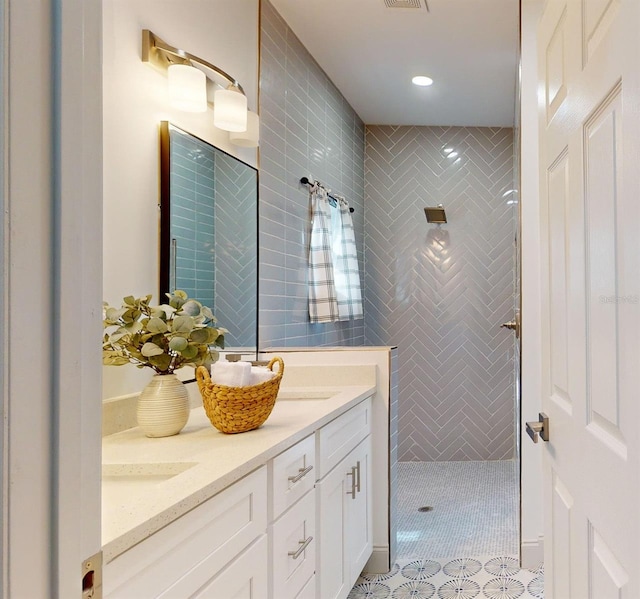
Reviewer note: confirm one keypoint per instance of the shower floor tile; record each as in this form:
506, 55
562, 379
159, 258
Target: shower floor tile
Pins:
475, 509
482, 577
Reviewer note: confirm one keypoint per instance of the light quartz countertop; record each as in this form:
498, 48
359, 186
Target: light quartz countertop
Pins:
148, 483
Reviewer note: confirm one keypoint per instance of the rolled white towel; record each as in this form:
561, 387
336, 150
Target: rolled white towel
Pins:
231, 374
260, 374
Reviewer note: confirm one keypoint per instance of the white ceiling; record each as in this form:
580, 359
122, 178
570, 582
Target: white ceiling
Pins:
371, 52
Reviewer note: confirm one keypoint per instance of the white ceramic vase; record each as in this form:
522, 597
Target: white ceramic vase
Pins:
163, 406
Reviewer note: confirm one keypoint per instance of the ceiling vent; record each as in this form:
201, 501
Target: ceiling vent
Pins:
419, 4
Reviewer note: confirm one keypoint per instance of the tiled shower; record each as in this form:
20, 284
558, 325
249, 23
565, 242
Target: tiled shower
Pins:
439, 293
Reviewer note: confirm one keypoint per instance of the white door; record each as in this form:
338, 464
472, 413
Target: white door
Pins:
589, 112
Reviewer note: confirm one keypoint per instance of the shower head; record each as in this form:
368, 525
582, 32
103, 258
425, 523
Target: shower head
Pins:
436, 214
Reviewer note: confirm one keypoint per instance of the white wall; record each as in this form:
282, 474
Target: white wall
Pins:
223, 32
532, 503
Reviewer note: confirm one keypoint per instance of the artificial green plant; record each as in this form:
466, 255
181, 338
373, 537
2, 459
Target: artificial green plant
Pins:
164, 337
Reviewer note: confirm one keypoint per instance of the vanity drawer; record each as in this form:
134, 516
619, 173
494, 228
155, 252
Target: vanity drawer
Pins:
187, 552
291, 475
293, 548
340, 436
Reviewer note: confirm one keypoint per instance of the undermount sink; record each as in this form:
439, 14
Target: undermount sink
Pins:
311, 395
137, 474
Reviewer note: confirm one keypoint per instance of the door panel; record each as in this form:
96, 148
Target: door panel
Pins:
598, 16
589, 156
602, 150
607, 577
562, 502
558, 180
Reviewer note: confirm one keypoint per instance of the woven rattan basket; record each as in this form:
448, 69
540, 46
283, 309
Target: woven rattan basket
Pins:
239, 409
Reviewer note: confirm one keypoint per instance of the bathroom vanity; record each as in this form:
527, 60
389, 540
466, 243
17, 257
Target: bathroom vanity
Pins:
281, 512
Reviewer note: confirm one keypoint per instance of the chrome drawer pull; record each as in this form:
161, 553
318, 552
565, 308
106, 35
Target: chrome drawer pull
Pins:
358, 476
303, 545
302, 472
353, 475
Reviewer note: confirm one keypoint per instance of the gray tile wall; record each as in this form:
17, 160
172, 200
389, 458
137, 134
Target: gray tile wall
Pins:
213, 220
192, 211
235, 250
440, 294
306, 128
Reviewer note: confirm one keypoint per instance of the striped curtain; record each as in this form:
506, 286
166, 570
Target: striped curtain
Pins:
345, 263
323, 302
334, 276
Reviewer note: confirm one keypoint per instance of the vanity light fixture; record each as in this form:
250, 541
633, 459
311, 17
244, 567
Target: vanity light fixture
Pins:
230, 103
187, 88
230, 109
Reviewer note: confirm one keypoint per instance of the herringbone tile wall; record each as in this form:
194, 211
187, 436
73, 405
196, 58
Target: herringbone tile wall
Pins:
306, 127
440, 293
235, 250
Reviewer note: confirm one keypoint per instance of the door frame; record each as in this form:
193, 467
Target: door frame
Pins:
531, 496
53, 264
4, 53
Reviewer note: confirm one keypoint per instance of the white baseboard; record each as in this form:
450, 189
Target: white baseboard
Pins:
379, 561
532, 553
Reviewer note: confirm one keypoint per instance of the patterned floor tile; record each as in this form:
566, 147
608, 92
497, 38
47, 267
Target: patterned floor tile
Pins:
466, 547
481, 577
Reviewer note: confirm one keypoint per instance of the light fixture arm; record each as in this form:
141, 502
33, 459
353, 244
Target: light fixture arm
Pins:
160, 54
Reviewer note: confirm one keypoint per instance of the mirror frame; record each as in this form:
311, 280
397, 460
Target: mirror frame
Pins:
164, 218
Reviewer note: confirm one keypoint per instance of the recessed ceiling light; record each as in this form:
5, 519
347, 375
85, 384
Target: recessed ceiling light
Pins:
422, 81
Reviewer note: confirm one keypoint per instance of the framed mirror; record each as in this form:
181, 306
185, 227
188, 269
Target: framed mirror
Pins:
209, 232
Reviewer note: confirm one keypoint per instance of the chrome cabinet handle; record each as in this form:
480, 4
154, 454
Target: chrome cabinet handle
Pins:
353, 475
303, 545
358, 476
539, 428
302, 472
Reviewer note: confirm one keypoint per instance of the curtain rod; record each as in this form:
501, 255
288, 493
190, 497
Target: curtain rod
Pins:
305, 181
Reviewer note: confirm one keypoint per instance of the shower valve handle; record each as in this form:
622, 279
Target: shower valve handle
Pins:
513, 325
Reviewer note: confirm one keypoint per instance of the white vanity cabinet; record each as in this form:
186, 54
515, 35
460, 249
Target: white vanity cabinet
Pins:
218, 549
343, 503
298, 527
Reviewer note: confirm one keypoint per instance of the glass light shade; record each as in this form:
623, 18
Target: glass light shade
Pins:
230, 110
187, 88
250, 137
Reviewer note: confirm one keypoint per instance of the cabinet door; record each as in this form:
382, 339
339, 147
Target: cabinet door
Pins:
331, 550
359, 531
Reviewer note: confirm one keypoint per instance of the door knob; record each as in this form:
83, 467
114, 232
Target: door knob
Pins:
539, 428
